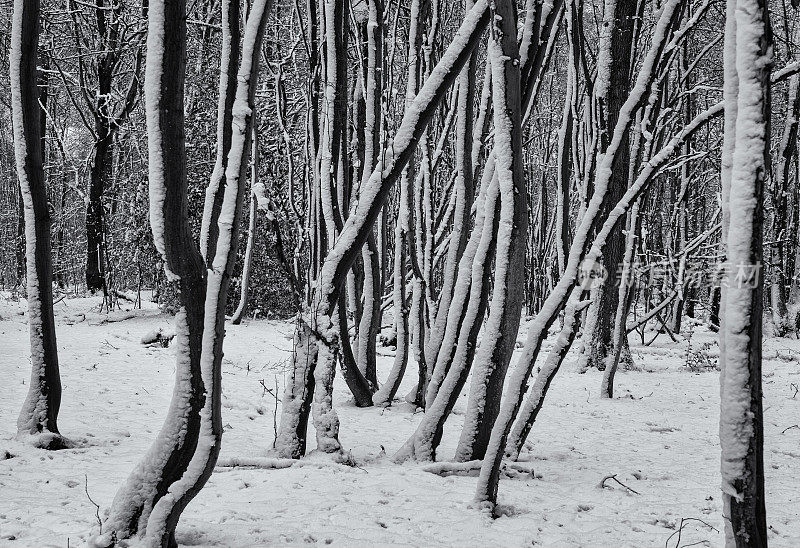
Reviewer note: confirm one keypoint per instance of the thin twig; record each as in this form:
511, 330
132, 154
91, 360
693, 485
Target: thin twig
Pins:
96, 506
680, 531
614, 477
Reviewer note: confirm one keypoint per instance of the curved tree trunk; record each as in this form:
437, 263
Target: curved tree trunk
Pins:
168, 509
39, 414
170, 454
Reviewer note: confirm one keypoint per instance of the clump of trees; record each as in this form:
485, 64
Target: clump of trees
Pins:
413, 173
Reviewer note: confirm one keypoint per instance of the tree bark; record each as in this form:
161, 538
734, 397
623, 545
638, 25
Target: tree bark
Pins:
748, 56
39, 415
500, 334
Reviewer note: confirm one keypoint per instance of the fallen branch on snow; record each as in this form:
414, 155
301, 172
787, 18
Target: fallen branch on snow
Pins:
265, 463
602, 484
472, 468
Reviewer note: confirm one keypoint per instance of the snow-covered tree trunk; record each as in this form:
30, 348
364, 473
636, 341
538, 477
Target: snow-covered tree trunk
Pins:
748, 58
183, 456
488, 480
369, 326
335, 196
500, 333
459, 343
611, 89
404, 240
170, 454
470, 296
535, 401
229, 62
39, 415
780, 191
247, 267
166, 512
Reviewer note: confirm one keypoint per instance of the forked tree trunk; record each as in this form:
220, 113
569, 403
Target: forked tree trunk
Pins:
470, 298
170, 454
39, 414
181, 459
168, 509
486, 491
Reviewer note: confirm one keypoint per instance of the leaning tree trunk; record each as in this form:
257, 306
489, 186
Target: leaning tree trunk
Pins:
749, 56
486, 491
470, 297
171, 452
39, 414
500, 333
167, 511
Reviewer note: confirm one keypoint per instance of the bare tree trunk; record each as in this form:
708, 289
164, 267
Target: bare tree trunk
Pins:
500, 334
786, 154
170, 454
747, 59
236, 319
369, 326
614, 69
470, 298
167, 511
464, 188
486, 491
39, 414
229, 62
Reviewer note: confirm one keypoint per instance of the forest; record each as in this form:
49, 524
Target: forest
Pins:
400, 272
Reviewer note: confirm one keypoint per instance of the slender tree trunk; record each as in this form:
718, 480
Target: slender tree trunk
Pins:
168, 509
39, 414
464, 188
236, 319
229, 62
486, 492
375, 192
741, 416
502, 326
369, 326
786, 154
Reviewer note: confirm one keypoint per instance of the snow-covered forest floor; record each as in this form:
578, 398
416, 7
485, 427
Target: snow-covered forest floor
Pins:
659, 436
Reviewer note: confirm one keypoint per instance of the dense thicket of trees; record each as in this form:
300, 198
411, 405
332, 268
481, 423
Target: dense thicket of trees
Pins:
414, 173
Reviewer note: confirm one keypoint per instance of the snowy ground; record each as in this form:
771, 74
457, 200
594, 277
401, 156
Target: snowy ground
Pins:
659, 436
